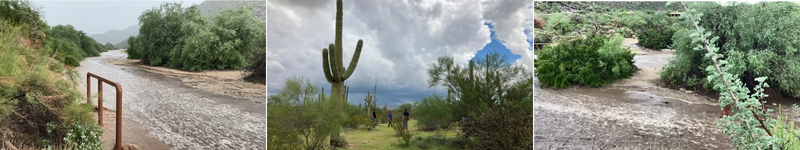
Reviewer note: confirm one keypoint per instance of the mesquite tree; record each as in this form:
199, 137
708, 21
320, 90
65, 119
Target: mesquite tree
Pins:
332, 65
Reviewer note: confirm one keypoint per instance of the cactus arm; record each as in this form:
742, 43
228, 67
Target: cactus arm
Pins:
354, 60
338, 50
326, 66
334, 72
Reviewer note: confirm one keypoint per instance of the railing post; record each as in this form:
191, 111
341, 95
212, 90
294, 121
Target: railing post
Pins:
89, 89
119, 116
100, 81
100, 103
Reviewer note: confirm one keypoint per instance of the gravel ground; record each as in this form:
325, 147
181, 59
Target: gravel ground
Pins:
182, 116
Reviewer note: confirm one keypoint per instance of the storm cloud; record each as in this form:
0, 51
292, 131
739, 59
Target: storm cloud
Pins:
401, 40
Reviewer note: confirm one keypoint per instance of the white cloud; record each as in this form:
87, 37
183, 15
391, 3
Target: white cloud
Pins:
401, 39
510, 20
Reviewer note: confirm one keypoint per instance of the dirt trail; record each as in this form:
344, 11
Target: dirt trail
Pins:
633, 113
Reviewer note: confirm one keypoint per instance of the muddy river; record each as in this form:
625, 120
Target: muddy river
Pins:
178, 115
631, 113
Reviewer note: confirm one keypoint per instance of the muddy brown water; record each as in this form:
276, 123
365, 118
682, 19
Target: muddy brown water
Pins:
178, 115
630, 114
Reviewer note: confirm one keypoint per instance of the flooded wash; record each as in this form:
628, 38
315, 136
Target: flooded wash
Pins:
632, 113
181, 116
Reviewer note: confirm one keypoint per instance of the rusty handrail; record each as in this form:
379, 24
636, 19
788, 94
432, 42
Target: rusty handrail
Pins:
100, 108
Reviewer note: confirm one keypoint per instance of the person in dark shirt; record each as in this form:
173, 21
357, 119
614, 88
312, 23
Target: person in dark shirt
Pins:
390, 119
405, 118
373, 119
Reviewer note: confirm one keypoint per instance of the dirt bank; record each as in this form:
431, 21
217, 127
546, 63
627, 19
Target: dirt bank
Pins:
221, 82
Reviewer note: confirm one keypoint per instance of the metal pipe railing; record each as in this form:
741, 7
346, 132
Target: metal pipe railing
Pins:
100, 80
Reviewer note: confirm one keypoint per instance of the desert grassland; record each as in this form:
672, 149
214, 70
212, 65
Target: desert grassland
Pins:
383, 137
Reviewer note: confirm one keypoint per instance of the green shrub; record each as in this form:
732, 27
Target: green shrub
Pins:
505, 127
85, 136
422, 145
784, 129
432, 112
38, 101
182, 38
405, 138
356, 121
656, 39
684, 65
560, 23
594, 61
281, 134
397, 126
754, 39
299, 109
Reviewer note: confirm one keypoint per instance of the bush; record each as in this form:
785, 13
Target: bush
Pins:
405, 138
742, 30
683, 65
503, 127
38, 100
432, 112
784, 128
300, 109
356, 121
85, 136
182, 38
594, 61
656, 39
560, 23
397, 126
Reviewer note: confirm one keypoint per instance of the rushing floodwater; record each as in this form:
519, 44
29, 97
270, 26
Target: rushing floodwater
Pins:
184, 117
626, 117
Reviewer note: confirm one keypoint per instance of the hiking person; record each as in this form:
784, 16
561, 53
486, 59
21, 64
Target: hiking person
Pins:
405, 118
390, 119
373, 119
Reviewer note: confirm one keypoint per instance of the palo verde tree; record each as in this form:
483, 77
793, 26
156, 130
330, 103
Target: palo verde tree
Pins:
333, 67
485, 89
300, 115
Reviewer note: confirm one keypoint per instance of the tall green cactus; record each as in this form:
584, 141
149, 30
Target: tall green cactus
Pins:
333, 67
332, 64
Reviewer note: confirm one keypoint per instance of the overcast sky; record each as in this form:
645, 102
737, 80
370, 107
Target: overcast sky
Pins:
402, 38
96, 17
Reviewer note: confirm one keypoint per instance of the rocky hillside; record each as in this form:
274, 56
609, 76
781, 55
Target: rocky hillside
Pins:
114, 36
599, 6
209, 8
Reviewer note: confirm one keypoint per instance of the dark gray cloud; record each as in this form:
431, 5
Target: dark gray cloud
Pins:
401, 40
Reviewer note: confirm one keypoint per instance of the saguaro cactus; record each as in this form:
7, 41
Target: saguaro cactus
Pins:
333, 67
371, 101
332, 64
